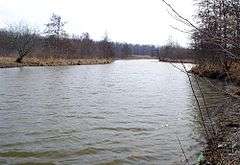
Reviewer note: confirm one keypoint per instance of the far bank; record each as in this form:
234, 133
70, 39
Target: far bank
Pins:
10, 62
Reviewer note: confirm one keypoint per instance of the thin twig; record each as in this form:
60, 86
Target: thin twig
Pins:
198, 103
186, 21
184, 154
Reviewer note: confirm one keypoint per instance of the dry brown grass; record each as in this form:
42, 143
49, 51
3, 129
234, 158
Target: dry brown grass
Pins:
217, 72
6, 62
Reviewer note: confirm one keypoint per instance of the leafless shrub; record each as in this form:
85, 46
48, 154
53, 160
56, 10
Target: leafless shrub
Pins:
22, 39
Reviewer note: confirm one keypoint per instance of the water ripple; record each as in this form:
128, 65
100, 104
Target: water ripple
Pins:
121, 129
93, 114
50, 154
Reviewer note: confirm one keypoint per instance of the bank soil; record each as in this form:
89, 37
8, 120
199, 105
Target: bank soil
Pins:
223, 118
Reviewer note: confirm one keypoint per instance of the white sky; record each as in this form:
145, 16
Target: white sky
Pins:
132, 21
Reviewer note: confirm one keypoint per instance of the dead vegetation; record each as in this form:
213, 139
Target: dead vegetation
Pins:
215, 71
8, 62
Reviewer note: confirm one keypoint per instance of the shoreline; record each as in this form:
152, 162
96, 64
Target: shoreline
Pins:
222, 121
189, 61
224, 117
140, 57
216, 72
9, 62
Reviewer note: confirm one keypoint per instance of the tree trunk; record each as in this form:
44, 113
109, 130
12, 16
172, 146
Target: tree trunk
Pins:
19, 59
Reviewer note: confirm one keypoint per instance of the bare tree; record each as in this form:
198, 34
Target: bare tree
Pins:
87, 45
126, 51
106, 47
56, 36
217, 19
5, 46
55, 27
22, 39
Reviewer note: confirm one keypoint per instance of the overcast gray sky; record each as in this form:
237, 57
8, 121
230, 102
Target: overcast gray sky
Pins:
133, 21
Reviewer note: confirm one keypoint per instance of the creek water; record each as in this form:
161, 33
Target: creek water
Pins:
127, 112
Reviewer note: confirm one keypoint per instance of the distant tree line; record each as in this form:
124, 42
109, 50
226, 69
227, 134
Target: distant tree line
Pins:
21, 40
124, 50
172, 51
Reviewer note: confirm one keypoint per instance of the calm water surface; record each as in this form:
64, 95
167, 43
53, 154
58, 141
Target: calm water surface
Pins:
127, 112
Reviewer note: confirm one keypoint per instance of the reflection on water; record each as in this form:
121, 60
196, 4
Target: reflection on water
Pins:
128, 112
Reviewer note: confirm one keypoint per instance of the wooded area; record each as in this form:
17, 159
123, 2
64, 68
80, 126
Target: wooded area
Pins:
173, 52
21, 40
217, 35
